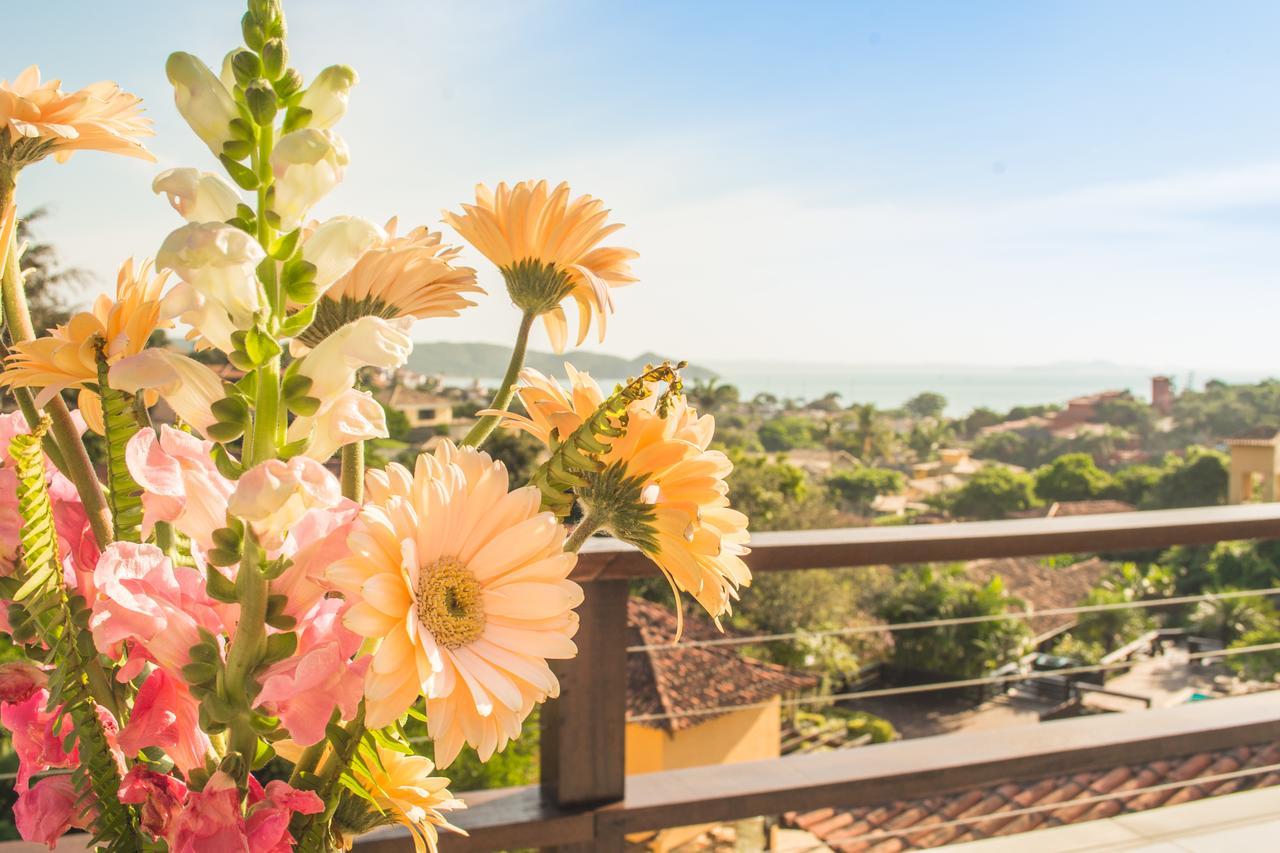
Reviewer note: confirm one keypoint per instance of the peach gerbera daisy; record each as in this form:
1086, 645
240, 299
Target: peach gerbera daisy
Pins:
409, 276
547, 247
464, 588
67, 356
38, 119
661, 488
403, 788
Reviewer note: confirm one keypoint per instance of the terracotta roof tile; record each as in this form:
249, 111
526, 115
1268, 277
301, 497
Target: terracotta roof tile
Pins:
860, 831
677, 679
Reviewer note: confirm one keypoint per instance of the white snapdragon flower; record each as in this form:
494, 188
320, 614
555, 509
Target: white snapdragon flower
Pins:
354, 416
327, 95
336, 245
189, 387
219, 262
366, 342
202, 99
307, 164
198, 196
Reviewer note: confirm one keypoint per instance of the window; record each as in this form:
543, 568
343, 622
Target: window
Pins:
426, 414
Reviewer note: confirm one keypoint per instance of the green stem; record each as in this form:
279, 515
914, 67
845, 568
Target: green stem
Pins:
582, 532
248, 646
353, 471
264, 441
507, 391
307, 761
27, 405
71, 450
80, 471
312, 833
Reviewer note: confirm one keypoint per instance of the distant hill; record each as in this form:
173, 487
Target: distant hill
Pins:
489, 361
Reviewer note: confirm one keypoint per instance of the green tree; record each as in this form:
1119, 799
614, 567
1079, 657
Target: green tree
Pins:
1259, 666
993, 492
854, 490
929, 404
1133, 415
777, 496
978, 419
1199, 478
1133, 483
519, 451
1229, 619
961, 651
786, 432
1072, 477
1111, 629
711, 395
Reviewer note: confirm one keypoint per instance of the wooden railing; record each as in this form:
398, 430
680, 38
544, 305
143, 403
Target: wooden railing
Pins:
586, 802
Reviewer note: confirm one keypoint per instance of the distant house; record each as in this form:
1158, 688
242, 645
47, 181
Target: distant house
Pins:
1255, 467
951, 470
673, 680
421, 408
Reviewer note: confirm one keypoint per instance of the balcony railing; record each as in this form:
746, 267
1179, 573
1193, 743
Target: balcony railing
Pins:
586, 802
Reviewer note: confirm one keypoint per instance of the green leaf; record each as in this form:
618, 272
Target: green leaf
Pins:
242, 175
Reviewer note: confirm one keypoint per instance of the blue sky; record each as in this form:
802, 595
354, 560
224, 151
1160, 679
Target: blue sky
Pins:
998, 183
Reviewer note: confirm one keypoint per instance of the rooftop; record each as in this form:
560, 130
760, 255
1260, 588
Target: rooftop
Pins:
671, 681
914, 824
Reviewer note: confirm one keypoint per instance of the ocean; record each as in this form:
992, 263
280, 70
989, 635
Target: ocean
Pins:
965, 387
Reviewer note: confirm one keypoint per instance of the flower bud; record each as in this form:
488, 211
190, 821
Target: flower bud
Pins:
197, 196
275, 56
261, 99
19, 680
307, 164
245, 66
253, 32
202, 100
326, 97
336, 245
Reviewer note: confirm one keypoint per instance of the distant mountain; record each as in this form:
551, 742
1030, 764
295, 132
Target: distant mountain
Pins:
489, 361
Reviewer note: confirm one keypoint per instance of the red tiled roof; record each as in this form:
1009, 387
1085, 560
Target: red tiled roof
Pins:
844, 830
670, 681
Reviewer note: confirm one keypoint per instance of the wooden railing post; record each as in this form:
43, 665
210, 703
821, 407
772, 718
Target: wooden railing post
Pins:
583, 731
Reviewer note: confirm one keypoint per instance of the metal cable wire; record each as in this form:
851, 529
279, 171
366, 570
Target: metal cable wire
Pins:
1029, 613
938, 685
880, 835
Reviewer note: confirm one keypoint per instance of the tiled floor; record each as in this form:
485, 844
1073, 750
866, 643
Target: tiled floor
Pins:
1235, 823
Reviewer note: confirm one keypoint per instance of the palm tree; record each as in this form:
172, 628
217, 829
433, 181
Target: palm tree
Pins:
711, 395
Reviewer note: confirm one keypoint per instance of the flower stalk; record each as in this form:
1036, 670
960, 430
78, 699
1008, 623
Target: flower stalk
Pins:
507, 390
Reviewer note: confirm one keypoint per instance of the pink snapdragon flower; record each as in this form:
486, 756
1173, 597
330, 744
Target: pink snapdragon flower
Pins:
37, 742
212, 819
304, 689
48, 811
154, 608
273, 496
268, 825
19, 680
317, 541
165, 714
180, 483
160, 795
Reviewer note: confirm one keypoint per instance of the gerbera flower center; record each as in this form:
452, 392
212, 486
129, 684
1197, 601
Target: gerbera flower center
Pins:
450, 603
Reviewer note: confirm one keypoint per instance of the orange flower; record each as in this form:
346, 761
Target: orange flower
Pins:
38, 119
671, 489
67, 356
409, 276
464, 588
403, 788
547, 248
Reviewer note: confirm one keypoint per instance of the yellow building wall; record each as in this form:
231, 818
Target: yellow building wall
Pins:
747, 735
444, 415
1253, 474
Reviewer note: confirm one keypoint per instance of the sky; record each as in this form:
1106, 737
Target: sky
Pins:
999, 183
